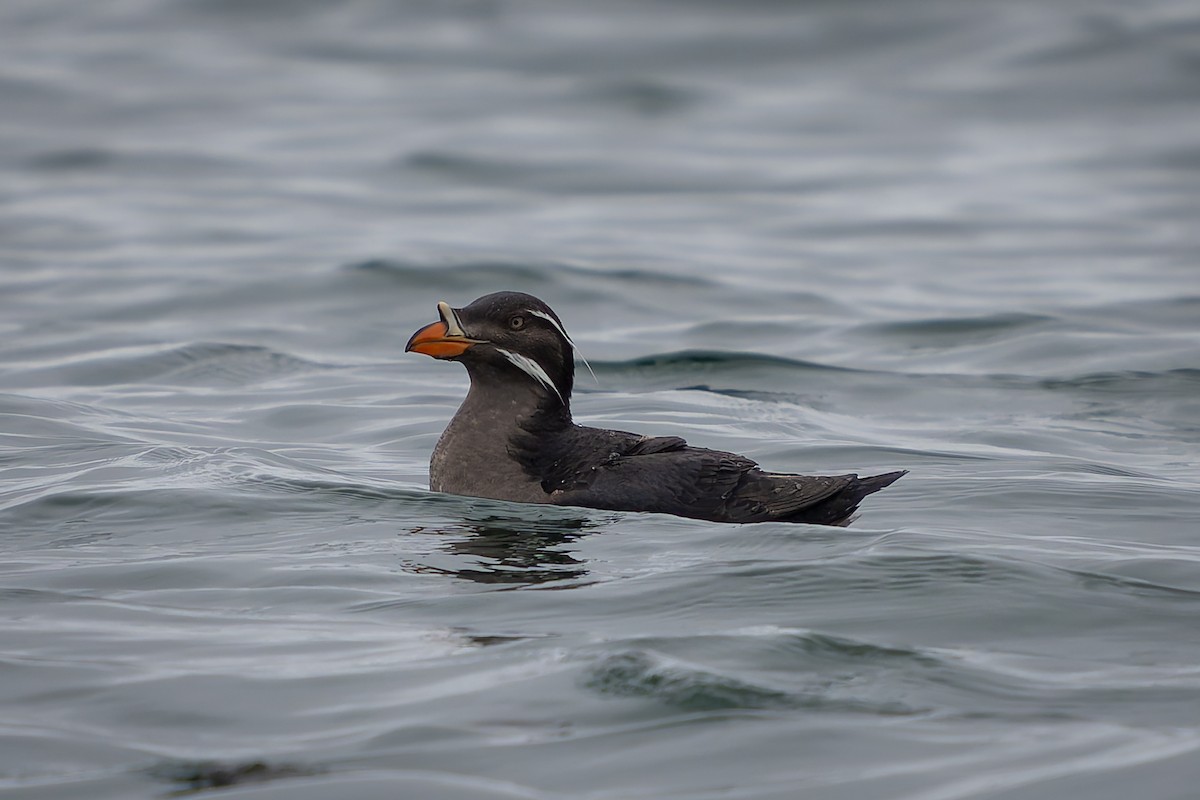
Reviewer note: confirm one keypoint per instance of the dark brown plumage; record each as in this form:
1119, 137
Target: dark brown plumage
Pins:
513, 437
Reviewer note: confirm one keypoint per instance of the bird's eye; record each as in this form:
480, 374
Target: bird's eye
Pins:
516, 323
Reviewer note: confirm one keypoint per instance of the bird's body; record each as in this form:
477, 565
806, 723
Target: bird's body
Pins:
513, 437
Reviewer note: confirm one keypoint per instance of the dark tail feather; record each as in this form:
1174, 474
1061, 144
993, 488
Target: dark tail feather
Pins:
874, 483
839, 509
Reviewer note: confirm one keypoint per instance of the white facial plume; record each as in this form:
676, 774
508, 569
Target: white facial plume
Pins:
531, 368
570, 341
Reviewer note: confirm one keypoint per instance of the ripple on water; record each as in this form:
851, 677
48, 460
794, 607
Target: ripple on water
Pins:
535, 277
196, 364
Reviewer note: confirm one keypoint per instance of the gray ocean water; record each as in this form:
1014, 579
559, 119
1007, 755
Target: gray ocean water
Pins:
961, 239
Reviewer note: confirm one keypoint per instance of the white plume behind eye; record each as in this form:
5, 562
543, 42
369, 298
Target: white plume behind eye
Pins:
531, 368
570, 341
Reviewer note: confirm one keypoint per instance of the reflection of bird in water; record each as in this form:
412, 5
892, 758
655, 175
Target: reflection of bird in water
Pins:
513, 438
520, 552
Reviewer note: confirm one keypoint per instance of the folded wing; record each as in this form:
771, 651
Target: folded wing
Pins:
625, 472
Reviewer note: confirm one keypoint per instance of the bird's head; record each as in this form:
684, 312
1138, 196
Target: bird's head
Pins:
504, 336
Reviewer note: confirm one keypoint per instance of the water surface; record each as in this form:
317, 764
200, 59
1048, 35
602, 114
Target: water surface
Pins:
952, 238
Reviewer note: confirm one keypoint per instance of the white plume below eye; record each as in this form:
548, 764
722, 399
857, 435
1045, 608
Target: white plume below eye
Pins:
570, 341
531, 368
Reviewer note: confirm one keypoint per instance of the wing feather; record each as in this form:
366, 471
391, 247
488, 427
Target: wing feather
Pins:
622, 471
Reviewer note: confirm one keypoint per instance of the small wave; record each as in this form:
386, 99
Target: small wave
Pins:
1126, 379
146, 162
715, 360
1134, 587
535, 277
575, 176
840, 647
643, 97
956, 328
913, 574
198, 776
79, 516
739, 368
80, 158
793, 648
460, 274
639, 673
199, 363
223, 481
746, 376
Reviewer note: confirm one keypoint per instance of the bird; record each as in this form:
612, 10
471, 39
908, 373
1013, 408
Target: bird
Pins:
513, 438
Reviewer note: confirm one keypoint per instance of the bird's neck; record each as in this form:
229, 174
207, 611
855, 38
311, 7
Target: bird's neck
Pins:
507, 404
478, 452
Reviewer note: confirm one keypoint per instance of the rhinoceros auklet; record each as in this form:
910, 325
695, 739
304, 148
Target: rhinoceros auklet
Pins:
513, 437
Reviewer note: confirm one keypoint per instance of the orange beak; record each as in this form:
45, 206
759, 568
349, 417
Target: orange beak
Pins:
442, 339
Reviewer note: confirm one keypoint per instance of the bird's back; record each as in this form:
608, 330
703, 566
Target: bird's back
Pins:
622, 471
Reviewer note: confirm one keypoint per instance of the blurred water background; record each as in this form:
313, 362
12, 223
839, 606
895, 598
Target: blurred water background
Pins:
954, 237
